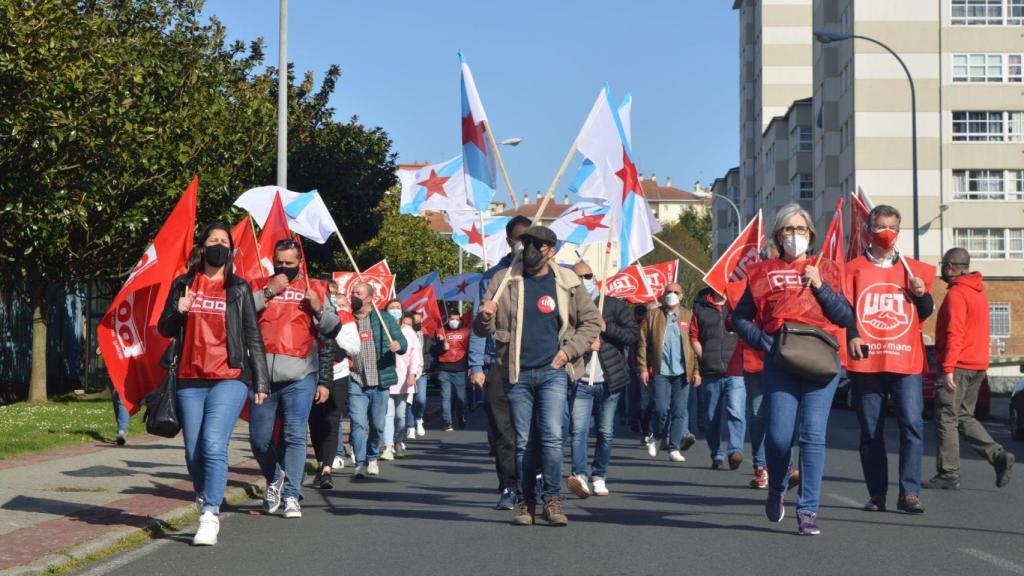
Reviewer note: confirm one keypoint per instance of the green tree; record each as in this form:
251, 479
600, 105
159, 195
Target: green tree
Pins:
109, 108
691, 237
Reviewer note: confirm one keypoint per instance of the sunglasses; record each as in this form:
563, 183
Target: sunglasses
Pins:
586, 276
535, 242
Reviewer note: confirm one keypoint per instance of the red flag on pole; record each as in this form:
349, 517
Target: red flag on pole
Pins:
832, 244
732, 265
274, 230
425, 302
247, 257
127, 334
859, 238
642, 284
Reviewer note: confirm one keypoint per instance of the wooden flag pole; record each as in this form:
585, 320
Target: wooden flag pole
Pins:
501, 164
383, 326
483, 243
255, 239
600, 301
684, 259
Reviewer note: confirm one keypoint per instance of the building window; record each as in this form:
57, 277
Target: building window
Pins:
988, 126
997, 68
991, 243
806, 189
806, 139
986, 13
1013, 67
999, 320
988, 185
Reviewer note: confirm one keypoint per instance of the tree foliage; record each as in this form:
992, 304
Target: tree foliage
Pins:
691, 237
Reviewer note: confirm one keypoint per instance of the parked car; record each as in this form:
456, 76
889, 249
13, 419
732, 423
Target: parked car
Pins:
982, 410
1017, 410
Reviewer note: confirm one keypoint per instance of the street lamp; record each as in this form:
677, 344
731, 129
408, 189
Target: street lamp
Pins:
827, 37
511, 142
712, 195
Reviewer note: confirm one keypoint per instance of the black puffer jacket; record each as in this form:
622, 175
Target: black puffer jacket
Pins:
245, 342
621, 330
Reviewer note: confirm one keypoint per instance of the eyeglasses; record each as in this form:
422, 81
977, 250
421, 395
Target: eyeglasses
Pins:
801, 230
586, 276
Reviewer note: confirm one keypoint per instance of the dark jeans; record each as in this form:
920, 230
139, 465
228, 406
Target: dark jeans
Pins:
453, 407
671, 416
291, 401
500, 433
870, 395
325, 420
537, 402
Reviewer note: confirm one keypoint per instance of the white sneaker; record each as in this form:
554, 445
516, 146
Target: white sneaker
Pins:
410, 434
292, 508
199, 504
372, 469
599, 486
646, 440
209, 527
400, 446
338, 463
360, 471
652, 447
676, 456
272, 498
579, 485
420, 430
387, 454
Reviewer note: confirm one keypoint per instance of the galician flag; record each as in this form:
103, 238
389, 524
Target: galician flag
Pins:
583, 223
428, 279
307, 214
461, 287
479, 156
439, 187
468, 233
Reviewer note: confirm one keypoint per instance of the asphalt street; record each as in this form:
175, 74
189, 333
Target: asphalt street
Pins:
431, 514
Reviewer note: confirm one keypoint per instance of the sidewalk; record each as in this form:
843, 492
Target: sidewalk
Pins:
66, 504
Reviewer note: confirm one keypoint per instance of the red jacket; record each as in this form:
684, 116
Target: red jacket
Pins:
961, 329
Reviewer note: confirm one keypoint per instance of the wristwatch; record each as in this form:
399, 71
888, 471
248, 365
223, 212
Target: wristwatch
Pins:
268, 293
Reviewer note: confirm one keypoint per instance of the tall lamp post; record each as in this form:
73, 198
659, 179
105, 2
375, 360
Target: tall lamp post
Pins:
713, 196
827, 37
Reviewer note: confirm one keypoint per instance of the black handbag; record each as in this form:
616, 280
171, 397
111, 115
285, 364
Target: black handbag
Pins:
162, 404
806, 351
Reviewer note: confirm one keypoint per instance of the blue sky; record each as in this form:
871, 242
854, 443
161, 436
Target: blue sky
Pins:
538, 64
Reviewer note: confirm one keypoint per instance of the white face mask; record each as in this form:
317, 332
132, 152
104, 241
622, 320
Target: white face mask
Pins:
453, 324
795, 245
671, 299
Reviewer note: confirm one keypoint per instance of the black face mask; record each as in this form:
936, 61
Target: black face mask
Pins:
357, 303
417, 326
532, 258
290, 273
216, 255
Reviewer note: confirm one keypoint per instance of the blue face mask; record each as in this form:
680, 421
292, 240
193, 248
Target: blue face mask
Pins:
396, 314
590, 285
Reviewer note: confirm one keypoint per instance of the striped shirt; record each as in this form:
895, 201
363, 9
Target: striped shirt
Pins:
364, 365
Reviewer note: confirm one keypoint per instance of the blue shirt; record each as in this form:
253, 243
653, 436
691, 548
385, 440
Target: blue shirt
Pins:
672, 355
482, 348
540, 313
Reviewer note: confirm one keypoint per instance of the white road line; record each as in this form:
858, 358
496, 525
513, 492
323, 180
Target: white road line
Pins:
845, 500
994, 560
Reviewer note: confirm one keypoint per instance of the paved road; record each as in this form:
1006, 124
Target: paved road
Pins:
431, 514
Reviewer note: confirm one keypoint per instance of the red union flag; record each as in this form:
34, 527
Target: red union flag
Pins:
732, 265
425, 302
640, 285
658, 276
628, 283
382, 285
832, 245
274, 230
247, 257
860, 208
127, 334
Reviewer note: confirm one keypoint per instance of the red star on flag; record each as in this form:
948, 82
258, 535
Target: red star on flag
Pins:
434, 184
628, 175
592, 222
474, 236
473, 132
462, 287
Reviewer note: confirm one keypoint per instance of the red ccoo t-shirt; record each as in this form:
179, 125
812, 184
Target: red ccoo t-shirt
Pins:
204, 353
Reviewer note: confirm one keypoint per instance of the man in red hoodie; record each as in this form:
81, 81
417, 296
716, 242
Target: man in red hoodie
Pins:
961, 350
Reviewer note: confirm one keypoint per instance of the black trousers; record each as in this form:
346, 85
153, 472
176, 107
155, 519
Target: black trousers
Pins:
500, 433
325, 420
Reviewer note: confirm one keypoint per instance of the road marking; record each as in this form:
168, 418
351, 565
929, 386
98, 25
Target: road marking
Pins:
845, 500
994, 560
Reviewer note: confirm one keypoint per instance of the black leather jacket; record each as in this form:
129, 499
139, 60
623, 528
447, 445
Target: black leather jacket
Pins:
245, 342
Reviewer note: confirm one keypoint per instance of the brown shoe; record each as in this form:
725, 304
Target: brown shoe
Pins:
525, 511
553, 512
794, 479
735, 459
760, 479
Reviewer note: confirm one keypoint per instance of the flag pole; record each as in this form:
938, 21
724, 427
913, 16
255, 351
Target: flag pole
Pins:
600, 300
380, 317
483, 243
673, 250
252, 228
554, 185
501, 164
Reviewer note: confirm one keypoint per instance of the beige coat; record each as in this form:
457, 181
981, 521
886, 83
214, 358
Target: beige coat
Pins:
580, 321
652, 341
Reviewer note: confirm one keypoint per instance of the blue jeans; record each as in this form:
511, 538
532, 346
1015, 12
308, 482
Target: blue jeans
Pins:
450, 381
726, 407
120, 412
292, 402
791, 400
671, 415
870, 392
418, 406
208, 415
367, 409
394, 421
755, 415
586, 400
541, 395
